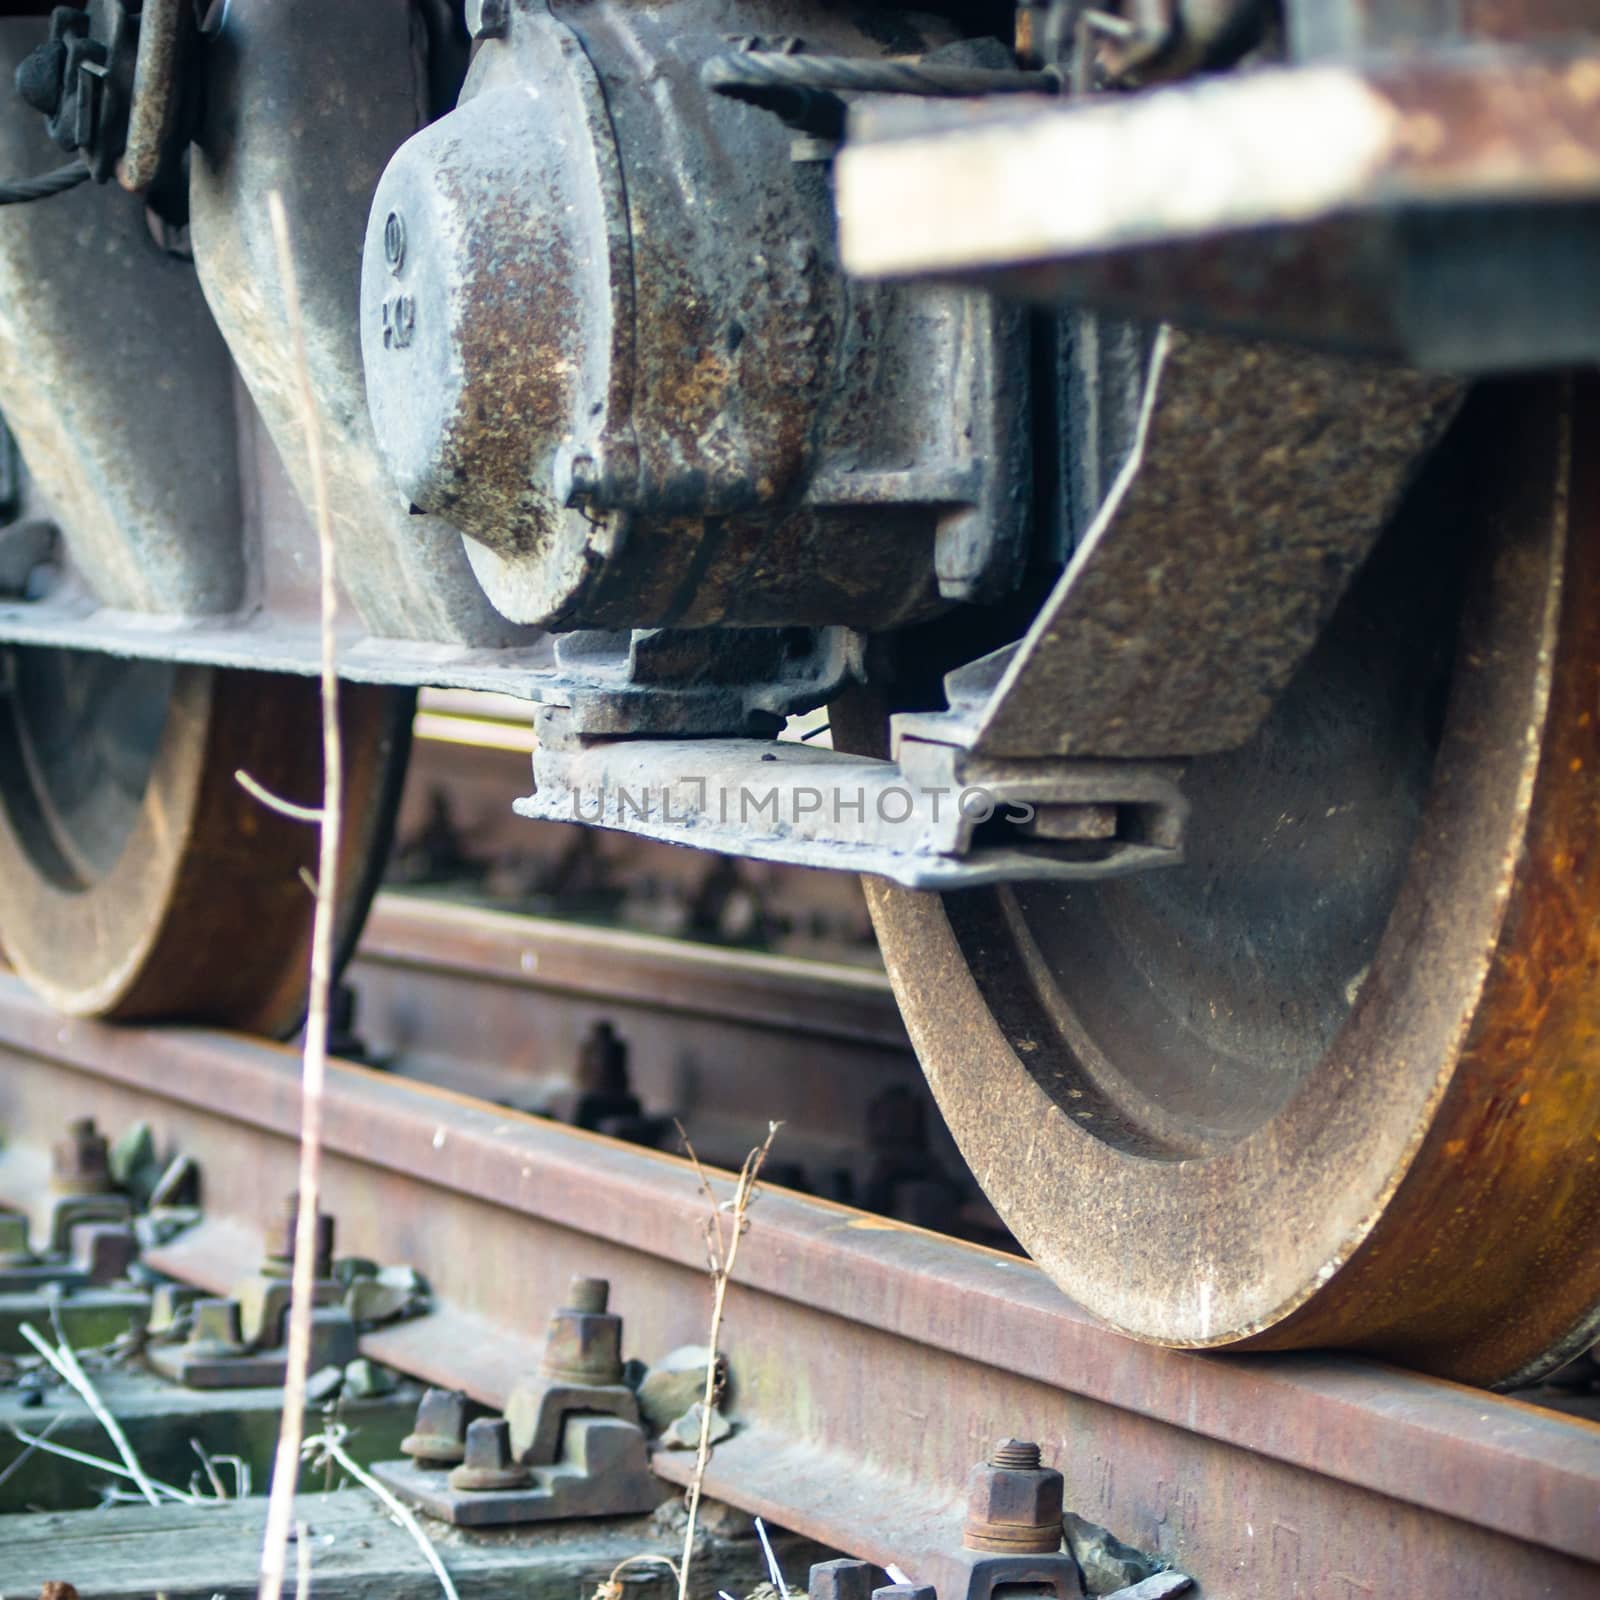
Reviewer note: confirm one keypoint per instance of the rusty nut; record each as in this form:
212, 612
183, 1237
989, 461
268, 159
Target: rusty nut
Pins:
1013, 1509
281, 1237
440, 1434
584, 1342
487, 1464
81, 1162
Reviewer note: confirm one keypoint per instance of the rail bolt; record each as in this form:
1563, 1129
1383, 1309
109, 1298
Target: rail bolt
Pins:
488, 1462
279, 1261
81, 1162
1013, 1504
840, 1580
584, 1341
439, 1436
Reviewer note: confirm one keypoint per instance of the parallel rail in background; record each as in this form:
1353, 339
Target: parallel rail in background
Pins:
498, 1006
871, 1363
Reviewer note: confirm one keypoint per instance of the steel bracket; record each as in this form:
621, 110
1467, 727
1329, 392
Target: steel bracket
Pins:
56, 1216
1257, 482
937, 819
658, 681
603, 1471
988, 1575
217, 1356
964, 1575
95, 1249
539, 1409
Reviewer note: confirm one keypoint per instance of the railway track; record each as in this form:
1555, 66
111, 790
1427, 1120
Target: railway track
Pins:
1154, 442
871, 1363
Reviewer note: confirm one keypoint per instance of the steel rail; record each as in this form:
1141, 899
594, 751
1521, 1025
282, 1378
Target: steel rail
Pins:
871, 1362
421, 940
500, 1007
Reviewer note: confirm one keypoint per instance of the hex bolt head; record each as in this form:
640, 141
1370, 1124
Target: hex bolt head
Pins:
583, 1344
280, 1242
1014, 1505
487, 1463
81, 1162
840, 1580
439, 1436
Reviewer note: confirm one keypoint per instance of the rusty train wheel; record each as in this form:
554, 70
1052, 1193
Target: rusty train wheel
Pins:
137, 879
1335, 1082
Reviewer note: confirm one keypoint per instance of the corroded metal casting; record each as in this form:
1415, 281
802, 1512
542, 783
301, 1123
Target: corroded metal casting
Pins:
606, 336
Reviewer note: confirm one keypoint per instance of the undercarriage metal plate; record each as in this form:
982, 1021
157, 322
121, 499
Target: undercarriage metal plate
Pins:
930, 821
1439, 208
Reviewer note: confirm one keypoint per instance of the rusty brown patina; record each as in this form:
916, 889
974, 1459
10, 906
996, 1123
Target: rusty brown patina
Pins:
203, 911
1415, 1173
870, 1362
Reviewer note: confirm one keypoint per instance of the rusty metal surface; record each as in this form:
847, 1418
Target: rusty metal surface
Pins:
509, 1009
871, 1363
277, 641
312, 102
153, 111
1318, 28
117, 387
1436, 208
1257, 483
635, 423
201, 912
919, 822
1419, 1179
463, 949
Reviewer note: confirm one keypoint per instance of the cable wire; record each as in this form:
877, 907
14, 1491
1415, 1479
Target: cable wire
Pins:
46, 184
749, 72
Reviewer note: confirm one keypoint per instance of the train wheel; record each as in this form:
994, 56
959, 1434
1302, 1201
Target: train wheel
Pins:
137, 878
1336, 1081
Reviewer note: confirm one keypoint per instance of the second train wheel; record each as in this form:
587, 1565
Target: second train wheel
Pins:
1335, 1081
138, 879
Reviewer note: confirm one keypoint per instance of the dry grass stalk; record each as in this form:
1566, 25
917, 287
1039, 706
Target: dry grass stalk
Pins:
302, 1561
724, 1227
210, 1468
773, 1569
275, 802
329, 1446
286, 1464
42, 1442
30, 1445
67, 1366
611, 1588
